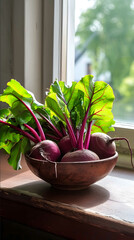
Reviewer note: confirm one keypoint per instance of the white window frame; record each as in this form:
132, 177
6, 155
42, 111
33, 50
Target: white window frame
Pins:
63, 51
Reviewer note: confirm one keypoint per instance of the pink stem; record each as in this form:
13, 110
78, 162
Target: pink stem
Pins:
33, 132
36, 120
80, 143
51, 125
22, 132
71, 133
63, 129
88, 135
53, 137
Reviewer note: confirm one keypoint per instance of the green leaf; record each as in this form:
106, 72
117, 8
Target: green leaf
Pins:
98, 126
101, 109
7, 133
99, 96
86, 85
7, 146
78, 111
57, 106
13, 89
68, 94
25, 145
15, 156
20, 112
68, 100
13, 95
8, 137
4, 113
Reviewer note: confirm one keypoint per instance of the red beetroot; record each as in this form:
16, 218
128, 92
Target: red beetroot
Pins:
46, 150
65, 145
101, 145
80, 156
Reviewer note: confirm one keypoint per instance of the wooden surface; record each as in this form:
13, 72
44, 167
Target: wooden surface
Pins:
107, 205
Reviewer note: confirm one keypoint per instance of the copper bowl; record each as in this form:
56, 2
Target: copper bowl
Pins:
71, 175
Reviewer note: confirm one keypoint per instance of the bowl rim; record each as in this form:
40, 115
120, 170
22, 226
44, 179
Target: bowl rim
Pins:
79, 162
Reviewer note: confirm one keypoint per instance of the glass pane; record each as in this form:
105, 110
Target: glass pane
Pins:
104, 47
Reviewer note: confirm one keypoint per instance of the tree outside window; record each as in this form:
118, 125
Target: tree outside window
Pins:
105, 34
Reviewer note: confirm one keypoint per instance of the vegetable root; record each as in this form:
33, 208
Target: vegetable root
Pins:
65, 145
80, 156
46, 150
104, 146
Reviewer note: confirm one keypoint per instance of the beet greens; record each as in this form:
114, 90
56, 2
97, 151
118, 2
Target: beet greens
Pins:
69, 116
83, 107
19, 124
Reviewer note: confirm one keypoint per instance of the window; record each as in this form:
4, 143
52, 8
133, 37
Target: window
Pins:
40, 48
90, 62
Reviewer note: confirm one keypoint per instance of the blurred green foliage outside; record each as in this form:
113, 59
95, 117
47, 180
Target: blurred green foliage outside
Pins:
112, 49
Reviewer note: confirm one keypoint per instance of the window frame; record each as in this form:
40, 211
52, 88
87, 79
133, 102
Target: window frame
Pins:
63, 51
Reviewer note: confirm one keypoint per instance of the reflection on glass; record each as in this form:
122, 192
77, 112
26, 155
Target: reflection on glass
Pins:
104, 47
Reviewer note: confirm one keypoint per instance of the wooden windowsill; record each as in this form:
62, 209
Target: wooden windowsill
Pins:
107, 205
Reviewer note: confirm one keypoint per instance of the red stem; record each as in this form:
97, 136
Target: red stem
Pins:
71, 133
22, 132
33, 132
80, 143
51, 125
36, 120
88, 135
53, 137
63, 129
123, 138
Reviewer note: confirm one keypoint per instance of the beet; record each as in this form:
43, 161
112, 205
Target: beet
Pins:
104, 146
101, 145
65, 145
80, 156
46, 150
